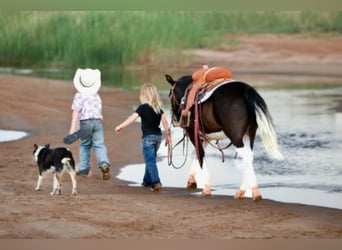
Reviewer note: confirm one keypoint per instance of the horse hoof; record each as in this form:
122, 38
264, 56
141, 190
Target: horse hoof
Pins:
256, 194
257, 198
240, 194
206, 194
191, 186
206, 191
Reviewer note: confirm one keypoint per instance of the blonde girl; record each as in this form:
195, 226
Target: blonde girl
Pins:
151, 113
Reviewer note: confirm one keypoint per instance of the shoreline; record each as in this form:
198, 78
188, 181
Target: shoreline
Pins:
114, 210
132, 212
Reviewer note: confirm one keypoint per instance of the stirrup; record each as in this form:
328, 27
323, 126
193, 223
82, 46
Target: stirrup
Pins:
184, 121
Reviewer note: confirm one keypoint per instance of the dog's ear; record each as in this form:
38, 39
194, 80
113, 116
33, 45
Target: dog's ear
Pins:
35, 147
47, 146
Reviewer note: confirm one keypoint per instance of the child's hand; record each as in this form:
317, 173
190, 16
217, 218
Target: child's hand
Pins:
168, 137
117, 129
168, 140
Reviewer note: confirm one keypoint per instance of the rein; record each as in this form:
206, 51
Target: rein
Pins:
197, 129
170, 150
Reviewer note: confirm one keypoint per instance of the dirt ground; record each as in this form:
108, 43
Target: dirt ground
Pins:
113, 210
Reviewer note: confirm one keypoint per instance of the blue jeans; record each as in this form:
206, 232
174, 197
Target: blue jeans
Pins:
92, 138
150, 146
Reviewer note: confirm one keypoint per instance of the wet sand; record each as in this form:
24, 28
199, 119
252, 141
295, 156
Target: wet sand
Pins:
112, 209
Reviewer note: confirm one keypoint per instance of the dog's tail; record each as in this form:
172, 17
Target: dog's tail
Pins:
67, 163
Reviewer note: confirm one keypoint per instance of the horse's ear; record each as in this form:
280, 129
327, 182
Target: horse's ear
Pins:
170, 79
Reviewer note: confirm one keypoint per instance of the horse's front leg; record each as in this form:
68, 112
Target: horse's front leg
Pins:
249, 177
192, 184
199, 177
194, 168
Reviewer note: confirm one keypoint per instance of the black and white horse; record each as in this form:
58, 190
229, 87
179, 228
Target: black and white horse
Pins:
233, 111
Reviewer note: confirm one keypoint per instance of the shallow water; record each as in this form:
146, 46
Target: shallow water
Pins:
310, 138
11, 135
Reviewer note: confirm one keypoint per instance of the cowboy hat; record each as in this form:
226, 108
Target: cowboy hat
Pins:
87, 81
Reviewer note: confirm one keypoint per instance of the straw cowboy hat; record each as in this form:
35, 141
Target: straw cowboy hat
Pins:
87, 81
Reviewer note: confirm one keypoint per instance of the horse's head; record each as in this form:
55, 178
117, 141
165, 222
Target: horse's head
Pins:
176, 95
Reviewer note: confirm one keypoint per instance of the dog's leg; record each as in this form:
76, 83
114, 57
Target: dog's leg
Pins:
71, 170
59, 183
39, 182
72, 174
54, 189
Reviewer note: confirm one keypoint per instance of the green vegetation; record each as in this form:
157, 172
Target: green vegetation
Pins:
120, 39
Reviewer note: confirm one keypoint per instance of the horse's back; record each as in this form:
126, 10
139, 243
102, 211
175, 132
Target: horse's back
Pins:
231, 111
230, 96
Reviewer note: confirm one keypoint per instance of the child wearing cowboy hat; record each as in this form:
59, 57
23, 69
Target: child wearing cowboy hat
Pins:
87, 109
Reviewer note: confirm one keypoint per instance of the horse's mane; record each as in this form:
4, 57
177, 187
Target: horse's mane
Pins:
185, 80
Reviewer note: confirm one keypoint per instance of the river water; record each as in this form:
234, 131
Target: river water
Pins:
310, 138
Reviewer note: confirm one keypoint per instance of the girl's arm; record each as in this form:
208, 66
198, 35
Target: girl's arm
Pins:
74, 119
166, 129
127, 122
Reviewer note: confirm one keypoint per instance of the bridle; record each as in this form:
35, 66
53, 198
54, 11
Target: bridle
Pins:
174, 102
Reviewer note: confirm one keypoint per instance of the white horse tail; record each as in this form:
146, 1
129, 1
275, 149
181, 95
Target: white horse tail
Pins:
267, 132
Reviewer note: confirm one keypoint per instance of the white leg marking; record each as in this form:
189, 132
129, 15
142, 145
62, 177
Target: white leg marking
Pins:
249, 179
201, 175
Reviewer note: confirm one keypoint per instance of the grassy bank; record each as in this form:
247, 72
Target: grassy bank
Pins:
118, 39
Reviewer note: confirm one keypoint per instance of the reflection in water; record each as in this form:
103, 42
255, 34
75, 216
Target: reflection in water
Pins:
310, 137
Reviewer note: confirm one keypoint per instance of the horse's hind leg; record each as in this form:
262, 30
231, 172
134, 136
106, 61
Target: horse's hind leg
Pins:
249, 177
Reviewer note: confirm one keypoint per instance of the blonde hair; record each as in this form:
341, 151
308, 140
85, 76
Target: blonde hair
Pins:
149, 94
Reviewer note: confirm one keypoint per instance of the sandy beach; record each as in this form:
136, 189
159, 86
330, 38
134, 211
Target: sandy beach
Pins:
112, 209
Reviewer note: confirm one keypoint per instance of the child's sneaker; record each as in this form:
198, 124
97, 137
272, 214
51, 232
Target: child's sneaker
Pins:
106, 175
156, 187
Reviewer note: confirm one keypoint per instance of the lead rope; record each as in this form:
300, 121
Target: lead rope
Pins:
170, 152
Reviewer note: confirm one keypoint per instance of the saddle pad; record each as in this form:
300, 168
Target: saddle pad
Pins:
203, 96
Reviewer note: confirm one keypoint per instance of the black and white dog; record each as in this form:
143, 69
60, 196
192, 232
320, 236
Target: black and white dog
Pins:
55, 161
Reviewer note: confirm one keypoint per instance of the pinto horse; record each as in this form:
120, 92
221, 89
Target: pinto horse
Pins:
234, 111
